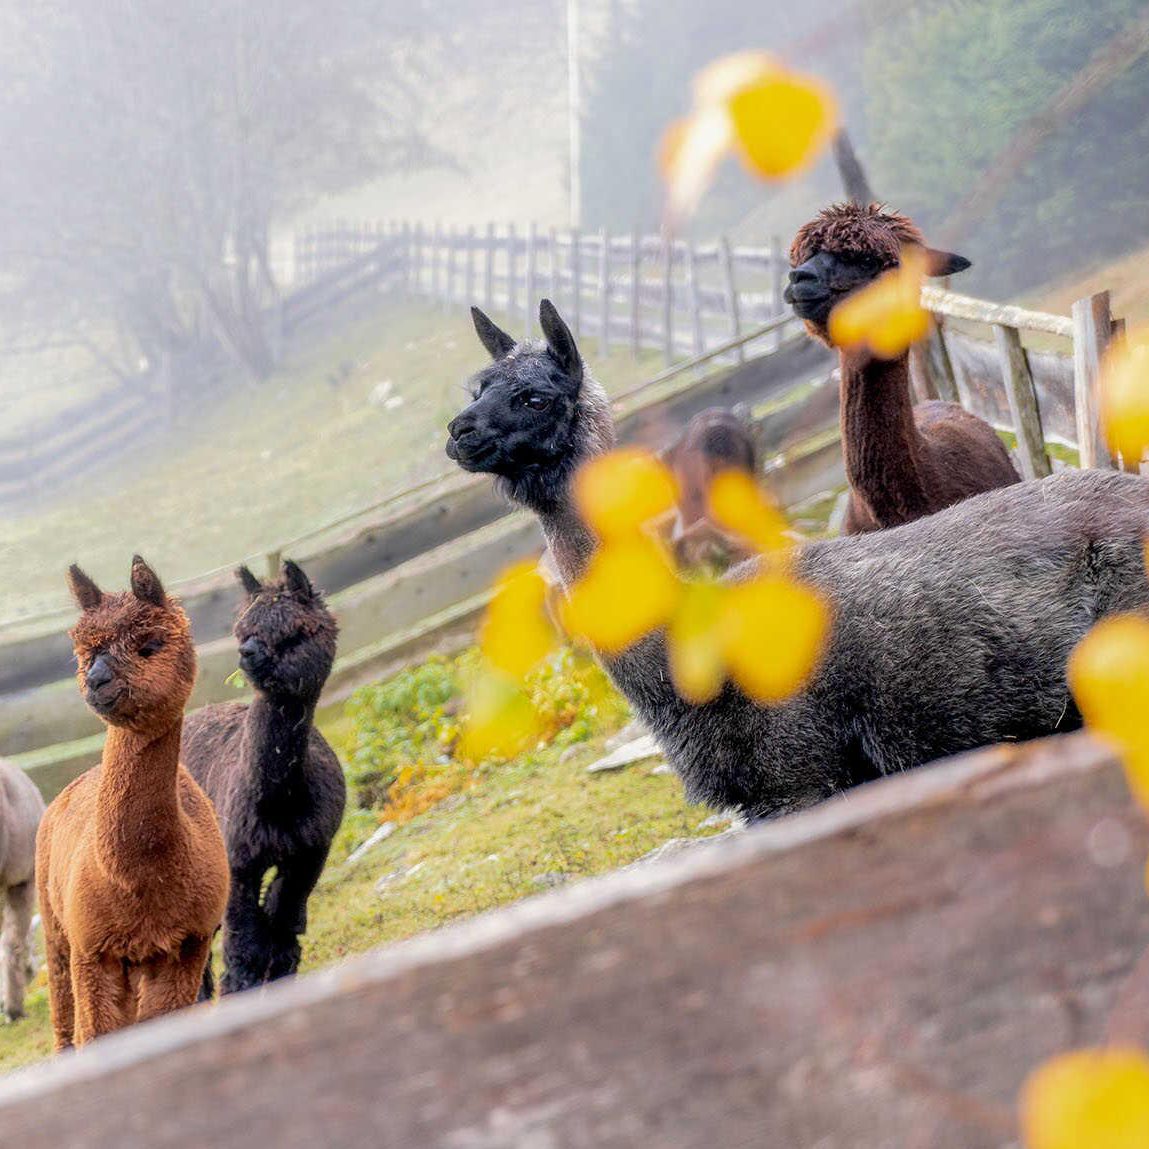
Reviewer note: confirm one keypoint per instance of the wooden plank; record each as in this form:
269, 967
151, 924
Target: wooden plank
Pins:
667, 287
530, 286
1092, 330
576, 281
1023, 407
730, 292
634, 268
884, 970
436, 261
553, 266
512, 249
469, 268
697, 335
942, 302
489, 267
604, 289
779, 271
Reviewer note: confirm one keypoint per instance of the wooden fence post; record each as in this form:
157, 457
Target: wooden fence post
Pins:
1092, 330
940, 365
667, 301
635, 256
1023, 407
417, 259
469, 268
778, 265
576, 283
452, 246
730, 291
692, 302
489, 267
604, 293
512, 269
530, 289
553, 268
436, 245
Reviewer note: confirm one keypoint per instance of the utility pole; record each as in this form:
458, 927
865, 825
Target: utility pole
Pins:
574, 111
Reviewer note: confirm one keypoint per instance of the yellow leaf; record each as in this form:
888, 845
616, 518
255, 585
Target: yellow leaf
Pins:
694, 642
690, 153
740, 506
627, 590
501, 722
781, 123
618, 492
774, 632
517, 634
1089, 1099
887, 314
1109, 675
1125, 396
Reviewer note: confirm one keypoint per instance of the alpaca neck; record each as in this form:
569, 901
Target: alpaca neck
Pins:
882, 445
278, 732
138, 808
570, 541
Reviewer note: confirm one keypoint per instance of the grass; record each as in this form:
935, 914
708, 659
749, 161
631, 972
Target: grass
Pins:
498, 833
270, 461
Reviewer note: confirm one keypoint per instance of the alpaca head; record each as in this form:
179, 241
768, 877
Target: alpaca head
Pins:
535, 413
286, 635
845, 247
135, 656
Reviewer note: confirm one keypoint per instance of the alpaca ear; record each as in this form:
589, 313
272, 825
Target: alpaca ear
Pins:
88, 596
249, 582
560, 341
296, 581
146, 585
497, 342
940, 263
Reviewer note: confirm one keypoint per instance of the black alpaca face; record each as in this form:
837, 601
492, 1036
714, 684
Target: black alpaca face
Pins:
524, 406
817, 286
286, 635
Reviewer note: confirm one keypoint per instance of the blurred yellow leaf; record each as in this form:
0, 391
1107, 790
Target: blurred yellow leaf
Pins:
1109, 675
740, 506
691, 151
618, 492
782, 122
1125, 396
500, 721
1088, 1099
695, 642
887, 315
627, 590
517, 634
775, 630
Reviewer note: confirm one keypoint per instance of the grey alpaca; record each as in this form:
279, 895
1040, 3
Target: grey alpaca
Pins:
949, 633
21, 809
276, 784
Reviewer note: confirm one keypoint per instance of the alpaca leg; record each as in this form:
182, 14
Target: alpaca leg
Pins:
101, 992
246, 939
173, 982
14, 946
286, 907
58, 958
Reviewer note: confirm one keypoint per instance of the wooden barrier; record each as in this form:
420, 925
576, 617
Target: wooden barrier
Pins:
884, 970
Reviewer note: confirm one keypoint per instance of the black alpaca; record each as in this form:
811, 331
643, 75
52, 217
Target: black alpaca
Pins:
275, 782
949, 633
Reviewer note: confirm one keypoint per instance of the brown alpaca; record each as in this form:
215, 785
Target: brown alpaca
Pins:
130, 864
715, 440
902, 461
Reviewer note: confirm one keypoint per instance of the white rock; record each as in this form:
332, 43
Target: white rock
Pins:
640, 750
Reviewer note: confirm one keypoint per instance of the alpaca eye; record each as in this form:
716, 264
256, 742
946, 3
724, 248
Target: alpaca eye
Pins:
537, 402
150, 648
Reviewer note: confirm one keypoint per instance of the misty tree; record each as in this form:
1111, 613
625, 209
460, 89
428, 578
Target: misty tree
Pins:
150, 149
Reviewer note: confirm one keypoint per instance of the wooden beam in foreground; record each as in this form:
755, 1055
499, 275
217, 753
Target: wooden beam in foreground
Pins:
881, 971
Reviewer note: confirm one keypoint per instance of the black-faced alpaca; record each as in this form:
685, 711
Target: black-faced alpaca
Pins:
902, 461
276, 784
949, 633
715, 440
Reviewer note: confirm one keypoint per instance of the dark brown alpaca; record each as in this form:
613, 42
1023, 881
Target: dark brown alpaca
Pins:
902, 461
275, 782
130, 865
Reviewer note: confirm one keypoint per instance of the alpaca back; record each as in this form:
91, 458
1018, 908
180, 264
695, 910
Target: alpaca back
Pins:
21, 809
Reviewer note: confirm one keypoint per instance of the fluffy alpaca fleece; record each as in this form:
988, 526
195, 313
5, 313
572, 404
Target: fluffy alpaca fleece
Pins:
902, 461
21, 809
130, 864
949, 633
275, 782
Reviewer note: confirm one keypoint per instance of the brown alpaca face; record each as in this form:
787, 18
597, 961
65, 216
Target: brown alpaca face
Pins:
844, 248
135, 657
286, 635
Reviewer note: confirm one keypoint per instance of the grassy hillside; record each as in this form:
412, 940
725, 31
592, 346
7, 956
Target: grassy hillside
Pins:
470, 838
349, 421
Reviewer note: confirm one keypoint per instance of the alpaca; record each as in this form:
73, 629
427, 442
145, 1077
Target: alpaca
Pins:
130, 864
275, 782
21, 809
949, 633
902, 461
715, 440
